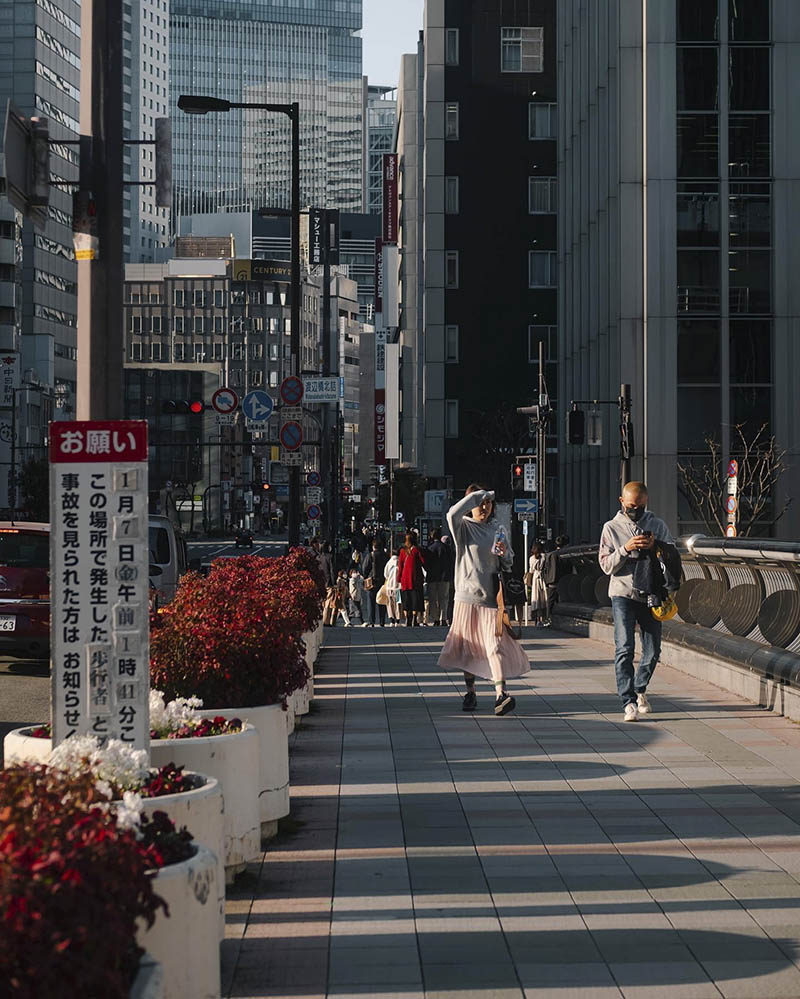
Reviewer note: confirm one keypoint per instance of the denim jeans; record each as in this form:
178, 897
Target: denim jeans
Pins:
627, 613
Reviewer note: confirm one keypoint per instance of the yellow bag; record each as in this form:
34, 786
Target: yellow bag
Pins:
666, 611
382, 596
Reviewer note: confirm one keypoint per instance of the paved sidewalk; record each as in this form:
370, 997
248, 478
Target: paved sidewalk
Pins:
556, 852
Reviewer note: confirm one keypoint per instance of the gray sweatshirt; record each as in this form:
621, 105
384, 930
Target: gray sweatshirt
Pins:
475, 564
615, 561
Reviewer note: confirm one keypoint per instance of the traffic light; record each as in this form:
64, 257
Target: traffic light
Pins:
182, 407
517, 478
576, 426
266, 486
163, 129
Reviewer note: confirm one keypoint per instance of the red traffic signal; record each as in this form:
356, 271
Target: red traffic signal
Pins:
518, 471
196, 406
265, 486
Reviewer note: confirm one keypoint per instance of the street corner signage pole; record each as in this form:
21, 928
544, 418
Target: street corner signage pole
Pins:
732, 498
380, 397
99, 574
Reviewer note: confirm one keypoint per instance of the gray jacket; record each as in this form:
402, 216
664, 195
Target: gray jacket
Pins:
475, 565
615, 561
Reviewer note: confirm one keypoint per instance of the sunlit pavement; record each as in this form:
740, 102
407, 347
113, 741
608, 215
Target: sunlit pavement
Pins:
556, 852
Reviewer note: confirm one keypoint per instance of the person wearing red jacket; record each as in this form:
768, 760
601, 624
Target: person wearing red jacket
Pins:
410, 564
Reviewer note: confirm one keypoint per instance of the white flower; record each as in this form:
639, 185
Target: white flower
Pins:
129, 812
115, 765
169, 717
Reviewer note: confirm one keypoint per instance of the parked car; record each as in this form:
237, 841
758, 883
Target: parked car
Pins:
24, 590
243, 537
167, 553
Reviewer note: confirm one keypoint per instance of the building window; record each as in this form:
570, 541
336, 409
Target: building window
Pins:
451, 269
273, 379
451, 344
451, 47
136, 351
217, 349
177, 324
157, 324
178, 351
198, 324
178, 298
451, 417
199, 298
542, 195
199, 353
451, 121
542, 269
136, 324
156, 349
542, 121
219, 298
451, 195
549, 336
522, 50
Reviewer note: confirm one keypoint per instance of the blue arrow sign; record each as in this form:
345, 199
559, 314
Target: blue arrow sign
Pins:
526, 506
257, 405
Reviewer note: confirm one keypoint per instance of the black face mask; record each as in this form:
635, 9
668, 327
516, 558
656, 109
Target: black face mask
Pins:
635, 513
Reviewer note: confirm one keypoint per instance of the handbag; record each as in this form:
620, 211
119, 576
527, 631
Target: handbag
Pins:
503, 620
513, 589
527, 579
369, 583
382, 596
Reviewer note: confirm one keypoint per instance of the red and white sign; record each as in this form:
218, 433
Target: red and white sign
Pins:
99, 572
380, 397
292, 390
291, 435
390, 198
225, 401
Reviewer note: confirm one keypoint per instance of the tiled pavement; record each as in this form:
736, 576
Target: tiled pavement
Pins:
556, 852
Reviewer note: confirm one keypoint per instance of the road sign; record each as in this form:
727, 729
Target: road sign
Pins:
292, 390
733, 468
225, 400
291, 458
314, 478
731, 504
291, 435
99, 631
289, 413
524, 517
730, 531
258, 405
314, 512
733, 485
529, 484
530, 506
226, 419
321, 389
313, 494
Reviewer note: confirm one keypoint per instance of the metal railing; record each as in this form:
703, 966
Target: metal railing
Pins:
743, 587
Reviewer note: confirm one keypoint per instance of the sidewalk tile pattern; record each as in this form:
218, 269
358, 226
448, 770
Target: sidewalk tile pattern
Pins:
553, 853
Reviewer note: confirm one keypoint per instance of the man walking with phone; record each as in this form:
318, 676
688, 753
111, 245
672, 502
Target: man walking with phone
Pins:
631, 535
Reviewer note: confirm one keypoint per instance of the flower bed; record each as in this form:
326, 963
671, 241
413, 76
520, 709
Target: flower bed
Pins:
73, 882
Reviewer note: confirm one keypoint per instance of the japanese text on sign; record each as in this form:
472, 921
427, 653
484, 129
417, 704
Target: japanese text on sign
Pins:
99, 574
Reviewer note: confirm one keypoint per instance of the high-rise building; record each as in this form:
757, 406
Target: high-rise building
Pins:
265, 51
145, 90
380, 119
681, 170
477, 234
40, 56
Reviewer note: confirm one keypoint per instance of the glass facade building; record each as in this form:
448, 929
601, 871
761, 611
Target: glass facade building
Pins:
381, 115
266, 51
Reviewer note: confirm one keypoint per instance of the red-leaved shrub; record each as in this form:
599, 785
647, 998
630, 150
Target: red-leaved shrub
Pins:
72, 886
233, 638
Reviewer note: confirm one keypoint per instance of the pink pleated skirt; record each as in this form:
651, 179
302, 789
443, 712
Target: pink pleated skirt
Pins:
472, 646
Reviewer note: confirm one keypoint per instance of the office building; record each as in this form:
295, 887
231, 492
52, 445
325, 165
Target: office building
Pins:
477, 234
680, 168
40, 56
265, 51
145, 90
380, 120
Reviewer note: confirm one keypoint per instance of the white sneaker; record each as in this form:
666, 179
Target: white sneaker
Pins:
365, 624
630, 712
643, 705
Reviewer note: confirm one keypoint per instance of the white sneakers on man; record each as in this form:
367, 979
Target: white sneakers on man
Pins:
642, 704
630, 712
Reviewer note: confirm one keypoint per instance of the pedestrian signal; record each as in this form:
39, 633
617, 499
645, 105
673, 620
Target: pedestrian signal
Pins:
576, 426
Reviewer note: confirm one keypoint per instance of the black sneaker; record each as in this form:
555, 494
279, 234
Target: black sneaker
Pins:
504, 703
470, 701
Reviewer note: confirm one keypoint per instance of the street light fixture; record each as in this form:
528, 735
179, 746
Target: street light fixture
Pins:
202, 104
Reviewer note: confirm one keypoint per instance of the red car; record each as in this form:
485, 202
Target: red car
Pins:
24, 590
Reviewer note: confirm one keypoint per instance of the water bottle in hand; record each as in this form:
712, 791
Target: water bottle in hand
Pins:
499, 539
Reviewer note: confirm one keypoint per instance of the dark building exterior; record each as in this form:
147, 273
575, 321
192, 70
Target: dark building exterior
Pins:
478, 234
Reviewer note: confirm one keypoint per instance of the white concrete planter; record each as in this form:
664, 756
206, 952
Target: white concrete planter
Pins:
149, 981
313, 641
233, 760
300, 701
19, 746
273, 781
186, 943
201, 811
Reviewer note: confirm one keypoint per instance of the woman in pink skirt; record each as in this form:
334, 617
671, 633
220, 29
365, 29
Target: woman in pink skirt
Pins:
472, 644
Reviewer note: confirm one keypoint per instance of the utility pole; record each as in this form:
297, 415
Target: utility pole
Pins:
330, 422
541, 448
626, 447
100, 338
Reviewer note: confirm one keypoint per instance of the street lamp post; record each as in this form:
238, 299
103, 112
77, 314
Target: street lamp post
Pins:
202, 105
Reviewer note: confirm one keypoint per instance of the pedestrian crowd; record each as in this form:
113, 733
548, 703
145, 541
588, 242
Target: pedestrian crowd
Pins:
465, 580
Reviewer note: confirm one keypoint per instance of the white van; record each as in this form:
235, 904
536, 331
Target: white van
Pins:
167, 554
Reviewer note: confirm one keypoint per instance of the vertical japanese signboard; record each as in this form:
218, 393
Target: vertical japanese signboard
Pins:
390, 198
99, 568
380, 397
378, 276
